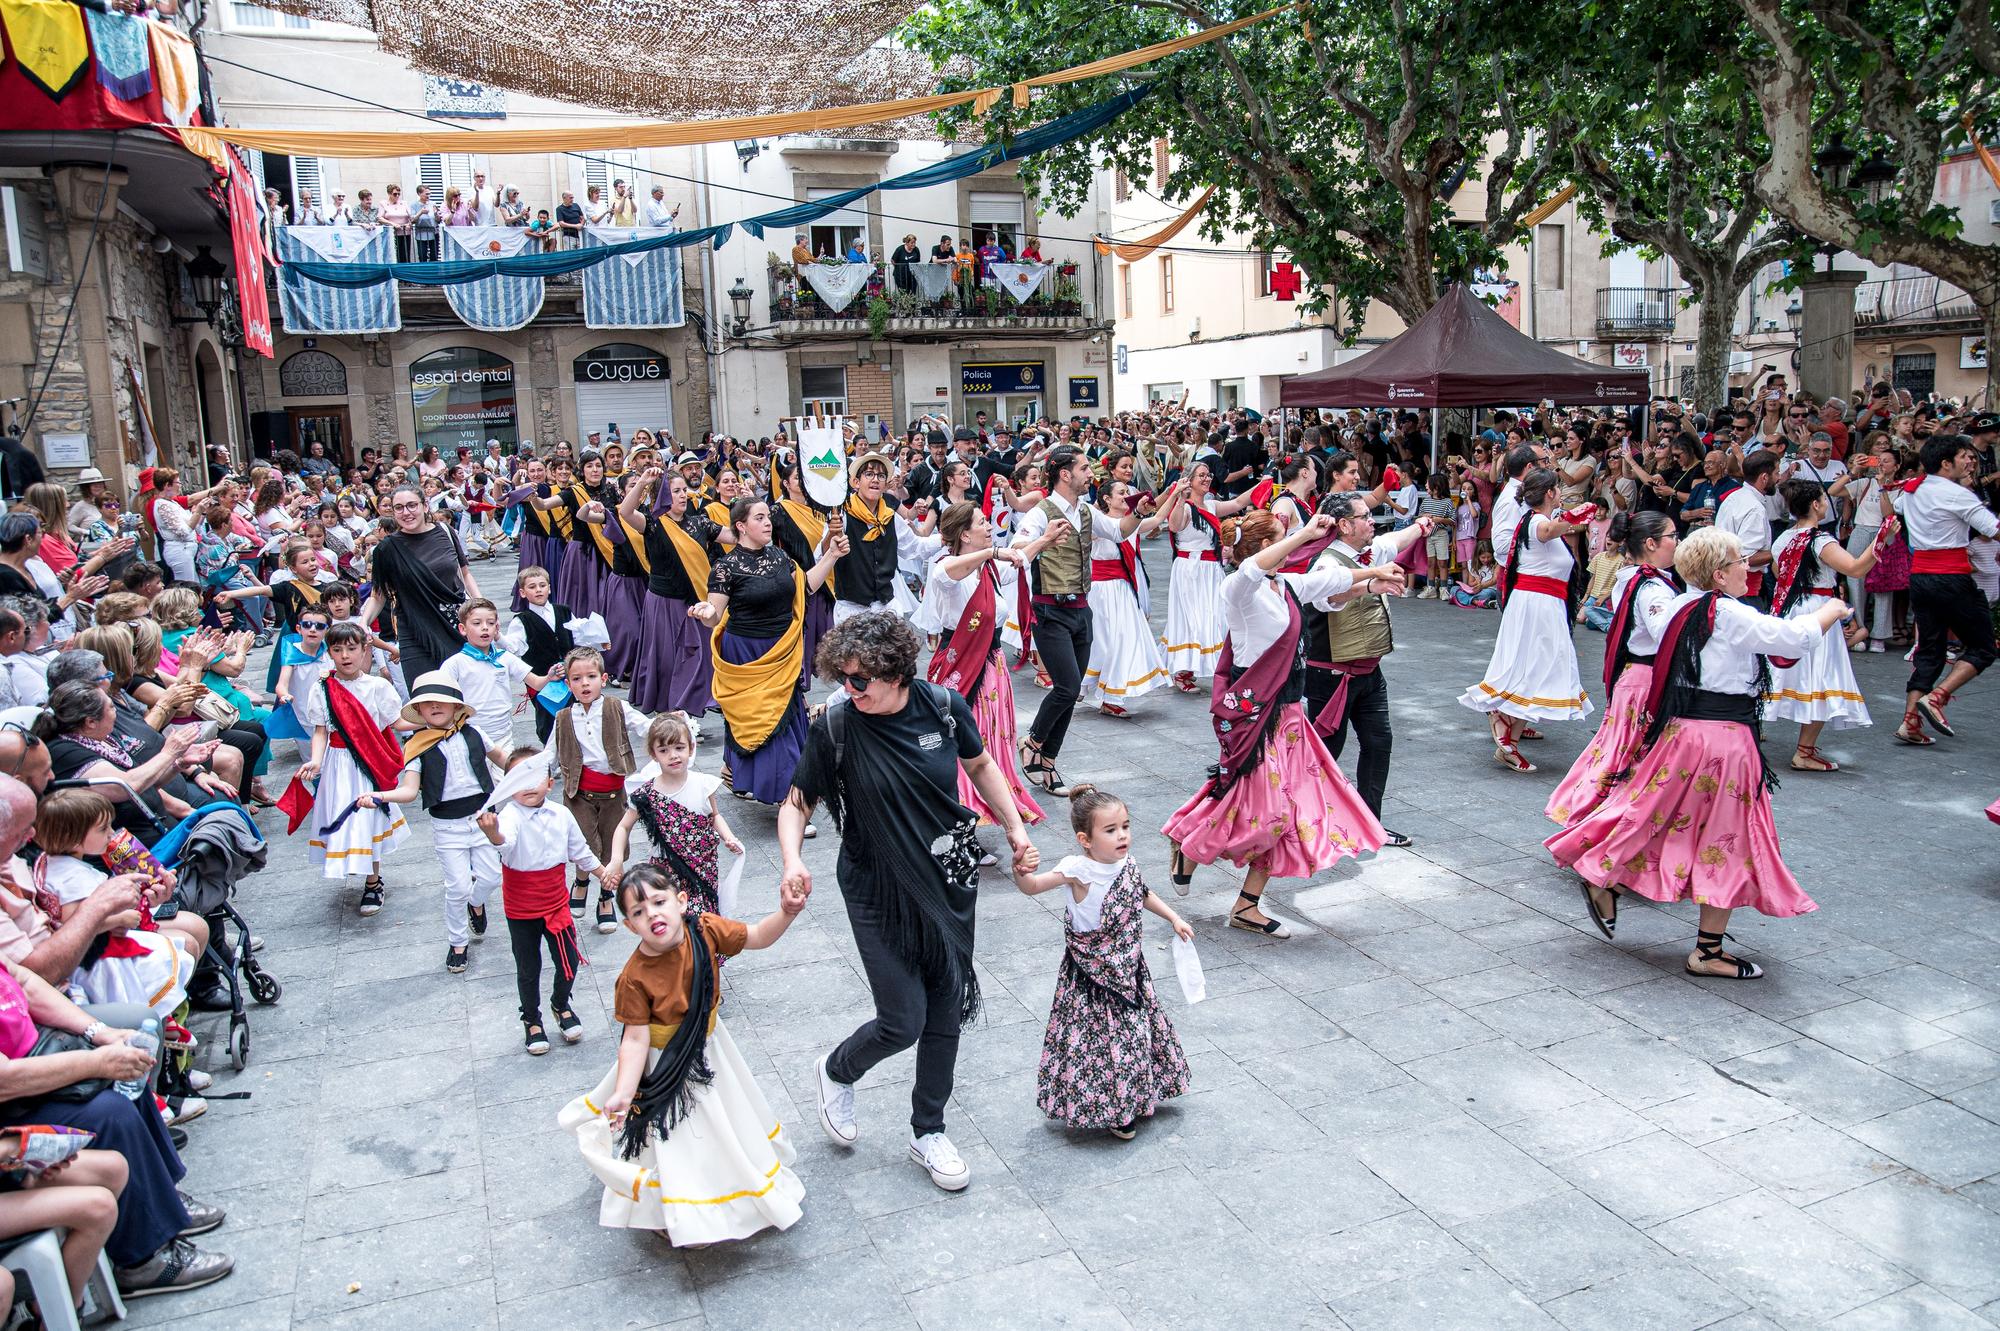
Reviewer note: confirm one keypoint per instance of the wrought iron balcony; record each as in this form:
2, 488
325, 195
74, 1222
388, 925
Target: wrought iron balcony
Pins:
1637, 309
882, 309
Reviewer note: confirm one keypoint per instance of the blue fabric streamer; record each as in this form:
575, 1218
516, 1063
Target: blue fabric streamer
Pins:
124, 59
1054, 134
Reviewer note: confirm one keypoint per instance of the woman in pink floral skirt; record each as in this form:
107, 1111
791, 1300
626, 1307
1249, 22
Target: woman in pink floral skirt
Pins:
1275, 803
1642, 595
1693, 817
1110, 1055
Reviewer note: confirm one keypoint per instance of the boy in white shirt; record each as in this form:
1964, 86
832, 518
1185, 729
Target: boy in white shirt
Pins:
487, 675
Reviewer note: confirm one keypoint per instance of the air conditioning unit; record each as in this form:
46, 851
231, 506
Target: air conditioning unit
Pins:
1993, 211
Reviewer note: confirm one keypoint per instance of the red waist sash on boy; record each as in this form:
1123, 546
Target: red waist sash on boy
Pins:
543, 894
593, 782
1951, 559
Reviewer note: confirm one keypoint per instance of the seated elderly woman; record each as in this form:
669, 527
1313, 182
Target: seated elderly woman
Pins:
89, 738
148, 1243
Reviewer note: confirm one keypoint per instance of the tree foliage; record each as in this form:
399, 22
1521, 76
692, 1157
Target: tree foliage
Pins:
1338, 135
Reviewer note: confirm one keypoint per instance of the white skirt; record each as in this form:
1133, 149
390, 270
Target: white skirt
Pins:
1533, 671
1821, 686
1126, 660
1195, 627
722, 1173
367, 835
156, 981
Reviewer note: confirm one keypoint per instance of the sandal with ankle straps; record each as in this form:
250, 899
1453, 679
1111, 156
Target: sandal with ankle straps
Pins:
1807, 759
1039, 771
1508, 755
1708, 947
1270, 928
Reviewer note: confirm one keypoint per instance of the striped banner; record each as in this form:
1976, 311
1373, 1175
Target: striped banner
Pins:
314, 307
632, 290
492, 304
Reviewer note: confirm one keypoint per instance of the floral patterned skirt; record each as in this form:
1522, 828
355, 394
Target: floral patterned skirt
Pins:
1610, 750
993, 711
1293, 815
1105, 1064
1693, 821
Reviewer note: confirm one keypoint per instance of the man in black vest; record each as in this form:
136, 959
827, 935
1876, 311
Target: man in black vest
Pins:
878, 543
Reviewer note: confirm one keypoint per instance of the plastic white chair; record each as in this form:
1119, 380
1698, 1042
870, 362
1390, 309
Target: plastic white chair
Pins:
37, 1264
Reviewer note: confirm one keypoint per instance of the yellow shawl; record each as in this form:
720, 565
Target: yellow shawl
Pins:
755, 696
596, 530
694, 559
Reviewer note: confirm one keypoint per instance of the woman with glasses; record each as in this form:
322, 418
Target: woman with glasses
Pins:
1692, 818
756, 604
218, 566
22, 573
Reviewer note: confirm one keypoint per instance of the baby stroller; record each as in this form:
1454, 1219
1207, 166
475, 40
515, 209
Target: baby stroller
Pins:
210, 851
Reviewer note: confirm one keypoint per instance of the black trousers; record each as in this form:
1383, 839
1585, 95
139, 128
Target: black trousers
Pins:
1062, 636
910, 1009
248, 738
1943, 604
419, 655
1368, 716
526, 938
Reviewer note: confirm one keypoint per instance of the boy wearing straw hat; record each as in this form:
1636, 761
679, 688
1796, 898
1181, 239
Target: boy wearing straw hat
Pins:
449, 770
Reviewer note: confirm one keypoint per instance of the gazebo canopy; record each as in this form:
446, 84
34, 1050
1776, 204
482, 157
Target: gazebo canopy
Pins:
1462, 354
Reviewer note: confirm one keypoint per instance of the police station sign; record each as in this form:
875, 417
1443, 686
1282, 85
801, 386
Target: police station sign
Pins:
986, 378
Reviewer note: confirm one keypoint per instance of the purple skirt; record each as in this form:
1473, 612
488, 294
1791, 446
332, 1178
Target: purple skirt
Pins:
819, 618
538, 551
622, 597
580, 585
765, 775
673, 673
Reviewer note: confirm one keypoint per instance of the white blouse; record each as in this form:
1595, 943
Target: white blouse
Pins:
1729, 661
1545, 559
947, 596
1255, 610
1650, 615
1193, 533
1086, 915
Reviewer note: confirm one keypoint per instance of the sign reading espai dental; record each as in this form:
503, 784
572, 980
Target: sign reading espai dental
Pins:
985, 378
621, 363
463, 395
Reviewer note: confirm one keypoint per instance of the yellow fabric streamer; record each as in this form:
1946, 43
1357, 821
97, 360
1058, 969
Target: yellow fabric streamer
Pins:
1546, 210
1139, 249
48, 41
678, 134
754, 696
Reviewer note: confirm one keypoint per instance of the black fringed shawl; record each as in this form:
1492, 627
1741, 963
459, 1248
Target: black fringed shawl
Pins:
666, 1092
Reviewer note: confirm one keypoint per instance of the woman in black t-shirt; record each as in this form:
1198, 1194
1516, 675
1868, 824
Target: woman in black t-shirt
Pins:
756, 600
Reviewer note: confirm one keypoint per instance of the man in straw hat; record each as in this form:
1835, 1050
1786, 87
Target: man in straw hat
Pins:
869, 576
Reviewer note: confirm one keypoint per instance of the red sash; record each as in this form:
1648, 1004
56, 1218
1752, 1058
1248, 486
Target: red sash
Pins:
353, 725
1756, 582
1535, 582
592, 782
1120, 569
1952, 559
961, 663
543, 894
1620, 633
1208, 555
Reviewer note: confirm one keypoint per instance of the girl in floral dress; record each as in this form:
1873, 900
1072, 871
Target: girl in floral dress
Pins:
1110, 1055
679, 809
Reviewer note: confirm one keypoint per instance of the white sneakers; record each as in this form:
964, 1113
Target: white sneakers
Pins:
836, 1107
941, 1161
934, 1151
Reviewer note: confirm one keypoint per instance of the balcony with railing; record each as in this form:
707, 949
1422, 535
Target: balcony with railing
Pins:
882, 308
1918, 299
1635, 310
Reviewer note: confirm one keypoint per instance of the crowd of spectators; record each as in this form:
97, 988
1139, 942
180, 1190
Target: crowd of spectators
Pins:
416, 221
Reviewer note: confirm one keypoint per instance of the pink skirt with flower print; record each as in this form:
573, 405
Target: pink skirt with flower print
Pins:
993, 712
1610, 750
1293, 815
1692, 822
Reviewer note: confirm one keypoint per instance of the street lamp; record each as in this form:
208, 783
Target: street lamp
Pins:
1795, 314
1875, 177
205, 276
739, 306
1834, 162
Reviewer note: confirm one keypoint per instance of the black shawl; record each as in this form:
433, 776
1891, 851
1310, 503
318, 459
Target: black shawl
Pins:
666, 1093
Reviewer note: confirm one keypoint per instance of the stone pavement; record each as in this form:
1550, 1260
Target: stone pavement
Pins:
1445, 1103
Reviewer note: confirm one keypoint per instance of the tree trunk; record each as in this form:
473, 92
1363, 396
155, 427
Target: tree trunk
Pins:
1714, 318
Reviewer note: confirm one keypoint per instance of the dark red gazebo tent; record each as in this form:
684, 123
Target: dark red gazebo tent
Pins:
1462, 354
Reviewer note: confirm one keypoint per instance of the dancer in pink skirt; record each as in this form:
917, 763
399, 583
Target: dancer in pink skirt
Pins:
975, 589
1693, 817
1275, 804
1643, 595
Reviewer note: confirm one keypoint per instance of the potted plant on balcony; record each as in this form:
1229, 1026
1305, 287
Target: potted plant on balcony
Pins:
1067, 298
878, 317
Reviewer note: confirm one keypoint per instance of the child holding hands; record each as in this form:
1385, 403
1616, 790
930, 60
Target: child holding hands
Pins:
355, 762
1110, 1055
680, 813
697, 1154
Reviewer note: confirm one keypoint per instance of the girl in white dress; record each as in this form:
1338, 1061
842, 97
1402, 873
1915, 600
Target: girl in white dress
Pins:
1818, 689
353, 824
1127, 659
1533, 672
1195, 627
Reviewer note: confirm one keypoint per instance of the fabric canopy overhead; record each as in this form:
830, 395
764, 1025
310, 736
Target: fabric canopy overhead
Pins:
764, 69
1462, 354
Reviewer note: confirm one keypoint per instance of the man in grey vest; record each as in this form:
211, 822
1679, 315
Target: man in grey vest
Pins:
1359, 636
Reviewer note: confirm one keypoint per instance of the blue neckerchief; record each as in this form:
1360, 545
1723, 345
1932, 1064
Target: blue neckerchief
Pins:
491, 655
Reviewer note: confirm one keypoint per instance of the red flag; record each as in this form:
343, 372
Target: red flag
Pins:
295, 804
246, 238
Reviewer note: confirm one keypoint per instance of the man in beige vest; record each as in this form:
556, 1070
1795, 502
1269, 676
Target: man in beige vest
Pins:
1055, 534
1359, 635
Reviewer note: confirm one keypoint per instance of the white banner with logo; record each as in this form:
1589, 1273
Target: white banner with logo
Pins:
492, 304
1019, 280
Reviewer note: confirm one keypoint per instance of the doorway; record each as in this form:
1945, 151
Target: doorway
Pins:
1010, 409
326, 424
